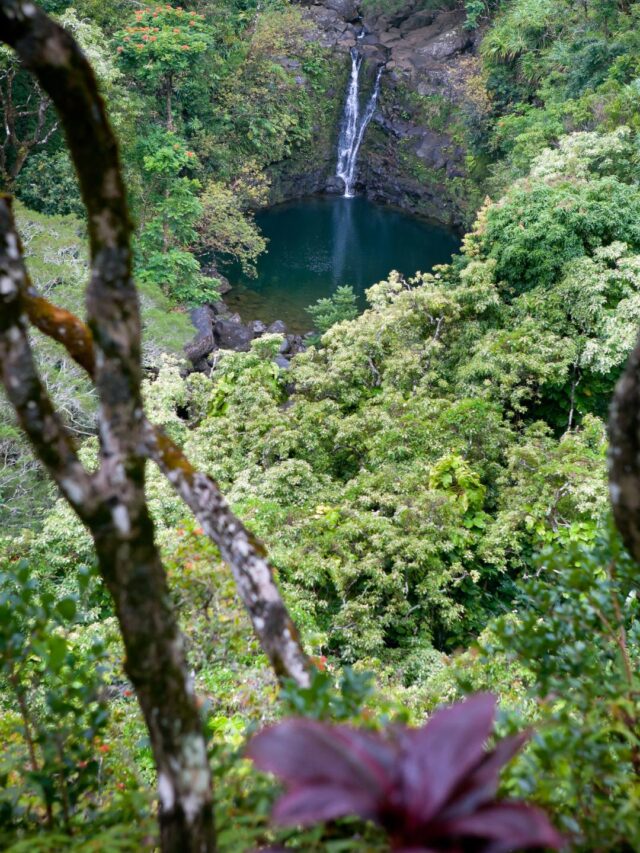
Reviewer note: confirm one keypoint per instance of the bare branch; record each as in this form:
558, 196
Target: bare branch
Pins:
239, 549
242, 552
120, 523
25, 391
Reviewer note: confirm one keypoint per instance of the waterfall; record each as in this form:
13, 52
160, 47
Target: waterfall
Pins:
354, 125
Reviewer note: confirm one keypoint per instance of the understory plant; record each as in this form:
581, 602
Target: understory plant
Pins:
431, 789
53, 710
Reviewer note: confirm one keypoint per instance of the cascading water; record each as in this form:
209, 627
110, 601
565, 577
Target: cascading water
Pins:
354, 125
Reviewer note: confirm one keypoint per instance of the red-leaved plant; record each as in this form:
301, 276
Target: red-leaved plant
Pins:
431, 789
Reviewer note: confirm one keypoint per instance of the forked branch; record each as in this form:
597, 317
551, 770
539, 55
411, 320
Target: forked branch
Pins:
239, 549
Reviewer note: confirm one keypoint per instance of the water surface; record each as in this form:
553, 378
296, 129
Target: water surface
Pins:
318, 243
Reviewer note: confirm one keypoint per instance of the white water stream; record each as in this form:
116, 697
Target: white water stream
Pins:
354, 124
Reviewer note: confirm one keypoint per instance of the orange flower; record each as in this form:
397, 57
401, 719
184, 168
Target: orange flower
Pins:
176, 30
104, 748
185, 47
191, 154
119, 49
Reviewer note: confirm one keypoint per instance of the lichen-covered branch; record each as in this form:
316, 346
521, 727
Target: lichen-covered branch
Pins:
26, 393
112, 501
624, 454
243, 554
239, 549
62, 326
117, 517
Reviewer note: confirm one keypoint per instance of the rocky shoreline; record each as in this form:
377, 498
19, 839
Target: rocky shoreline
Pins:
412, 156
217, 328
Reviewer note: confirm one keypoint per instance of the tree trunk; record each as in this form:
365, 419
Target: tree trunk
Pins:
156, 665
624, 454
169, 96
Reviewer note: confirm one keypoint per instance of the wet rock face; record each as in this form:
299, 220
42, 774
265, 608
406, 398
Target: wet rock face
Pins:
346, 9
334, 186
404, 160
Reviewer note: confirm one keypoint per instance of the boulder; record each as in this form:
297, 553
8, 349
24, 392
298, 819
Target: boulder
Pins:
446, 45
282, 362
375, 53
417, 21
347, 40
390, 38
233, 335
258, 327
335, 185
434, 149
203, 318
220, 308
296, 344
203, 343
347, 9
278, 327
198, 349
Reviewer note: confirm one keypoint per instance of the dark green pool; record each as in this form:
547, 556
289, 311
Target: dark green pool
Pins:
318, 243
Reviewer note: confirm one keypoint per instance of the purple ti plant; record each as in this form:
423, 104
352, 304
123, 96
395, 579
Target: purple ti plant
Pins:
432, 789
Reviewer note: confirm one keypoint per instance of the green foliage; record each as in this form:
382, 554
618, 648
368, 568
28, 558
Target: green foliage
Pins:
536, 230
566, 660
226, 228
163, 48
54, 711
579, 636
173, 211
550, 69
408, 482
477, 11
337, 308
326, 700
48, 184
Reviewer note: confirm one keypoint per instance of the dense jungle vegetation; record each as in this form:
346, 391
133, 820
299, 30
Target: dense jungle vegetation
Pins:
429, 478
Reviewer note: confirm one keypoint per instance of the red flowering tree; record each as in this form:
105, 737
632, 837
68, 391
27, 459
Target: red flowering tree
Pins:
162, 49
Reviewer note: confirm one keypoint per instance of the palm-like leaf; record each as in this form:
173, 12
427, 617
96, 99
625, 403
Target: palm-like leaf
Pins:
433, 789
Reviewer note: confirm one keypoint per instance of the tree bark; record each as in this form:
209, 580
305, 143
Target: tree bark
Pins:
117, 517
239, 549
111, 502
624, 454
